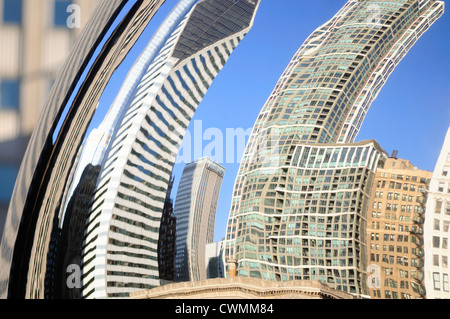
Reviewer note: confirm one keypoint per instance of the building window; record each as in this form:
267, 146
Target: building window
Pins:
437, 223
446, 226
445, 171
436, 280
9, 94
438, 208
445, 286
436, 242
436, 260
12, 11
60, 14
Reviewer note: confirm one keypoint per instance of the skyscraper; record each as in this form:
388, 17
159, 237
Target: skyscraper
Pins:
437, 228
298, 206
395, 230
195, 211
135, 145
167, 237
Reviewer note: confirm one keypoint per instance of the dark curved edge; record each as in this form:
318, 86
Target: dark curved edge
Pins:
37, 160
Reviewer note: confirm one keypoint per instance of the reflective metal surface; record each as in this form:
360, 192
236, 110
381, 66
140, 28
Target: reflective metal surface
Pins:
101, 47
85, 214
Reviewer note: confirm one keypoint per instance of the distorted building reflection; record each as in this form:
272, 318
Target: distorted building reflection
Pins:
395, 220
147, 133
67, 244
167, 240
135, 145
303, 199
45, 168
195, 210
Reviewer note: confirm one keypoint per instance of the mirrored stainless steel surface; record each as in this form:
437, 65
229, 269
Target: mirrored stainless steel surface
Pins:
85, 215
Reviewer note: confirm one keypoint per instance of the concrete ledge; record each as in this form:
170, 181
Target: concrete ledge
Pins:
242, 288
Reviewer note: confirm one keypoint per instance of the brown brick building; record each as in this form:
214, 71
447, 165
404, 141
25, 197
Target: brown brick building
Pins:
395, 231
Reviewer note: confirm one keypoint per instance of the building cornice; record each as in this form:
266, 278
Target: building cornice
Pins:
242, 288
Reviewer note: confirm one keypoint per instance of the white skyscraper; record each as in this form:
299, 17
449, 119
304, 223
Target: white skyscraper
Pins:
437, 228
120, 254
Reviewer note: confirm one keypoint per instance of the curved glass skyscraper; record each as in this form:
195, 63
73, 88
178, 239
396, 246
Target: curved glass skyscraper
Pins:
298, 207
97, 206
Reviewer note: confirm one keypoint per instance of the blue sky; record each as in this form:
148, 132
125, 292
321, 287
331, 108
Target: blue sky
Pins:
411, 113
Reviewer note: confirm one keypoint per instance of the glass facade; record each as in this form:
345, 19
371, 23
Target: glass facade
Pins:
320, 100
306, 221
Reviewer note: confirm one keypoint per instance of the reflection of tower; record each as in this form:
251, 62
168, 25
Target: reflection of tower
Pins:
302, 190
68, 245
167, 237
123, 230
195, 211
214, 257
